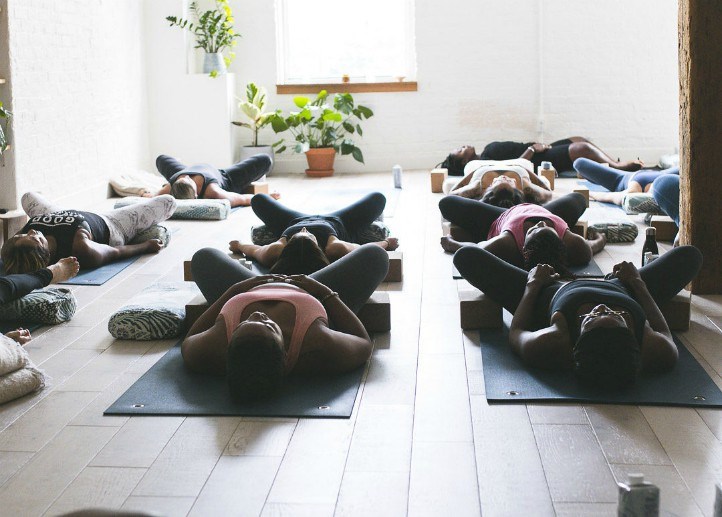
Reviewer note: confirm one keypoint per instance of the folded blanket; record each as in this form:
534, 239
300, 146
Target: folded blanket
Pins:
20, 382
136, 183
12, 356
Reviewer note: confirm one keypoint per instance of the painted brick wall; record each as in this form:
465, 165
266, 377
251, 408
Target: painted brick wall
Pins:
78, 86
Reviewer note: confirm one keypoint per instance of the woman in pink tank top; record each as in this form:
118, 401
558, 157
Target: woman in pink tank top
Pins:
264, 328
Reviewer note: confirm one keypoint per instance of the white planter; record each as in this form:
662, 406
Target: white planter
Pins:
248, 150
214, 61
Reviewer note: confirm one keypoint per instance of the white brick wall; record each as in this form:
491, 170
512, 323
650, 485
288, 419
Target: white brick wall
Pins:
78, 86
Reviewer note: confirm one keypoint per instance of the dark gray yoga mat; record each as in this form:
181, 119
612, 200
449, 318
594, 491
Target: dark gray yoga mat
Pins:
168, 388
102, 274
507, 381
591, 270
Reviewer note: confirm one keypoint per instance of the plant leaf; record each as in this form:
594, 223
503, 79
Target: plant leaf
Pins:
358, 129
358, 155
300, 101
348, 126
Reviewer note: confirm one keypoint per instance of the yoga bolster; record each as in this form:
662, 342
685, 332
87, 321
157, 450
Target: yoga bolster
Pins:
204, 209
51, 305
156, 231
376, 231
640, 203
610, 221
157, 312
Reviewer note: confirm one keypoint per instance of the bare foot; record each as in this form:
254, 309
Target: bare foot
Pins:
449, 245
20, 335
235, 247
275, 194
64, 269
631, 166
607, 197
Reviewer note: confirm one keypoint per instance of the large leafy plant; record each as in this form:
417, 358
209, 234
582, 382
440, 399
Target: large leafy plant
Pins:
3, 139
213, 28
254, 107
320, 124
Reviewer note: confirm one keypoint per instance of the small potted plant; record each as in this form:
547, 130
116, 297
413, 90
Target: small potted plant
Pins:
253, 106
214, 33
320, 130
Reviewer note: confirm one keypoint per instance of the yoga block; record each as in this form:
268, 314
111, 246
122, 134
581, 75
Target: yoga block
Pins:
438, 176
584, 191
257, 187
375, 314
549, 174
677, 310
396, 267
581, 228
666, 229
478, 311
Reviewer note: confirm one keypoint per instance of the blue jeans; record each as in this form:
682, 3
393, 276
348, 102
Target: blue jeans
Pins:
665, 190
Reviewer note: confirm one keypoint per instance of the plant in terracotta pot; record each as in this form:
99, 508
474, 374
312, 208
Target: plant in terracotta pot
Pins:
214, 33
321, 129
253, 107
3, 139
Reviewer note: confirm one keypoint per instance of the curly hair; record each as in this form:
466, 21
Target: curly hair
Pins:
23, 259
300, 256
606, 357
453, 165
254, 368
545, 248
502, 197
182, 190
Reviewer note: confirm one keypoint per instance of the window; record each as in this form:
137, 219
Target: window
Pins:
320, 41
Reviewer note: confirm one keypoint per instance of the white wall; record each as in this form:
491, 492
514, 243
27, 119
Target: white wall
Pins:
495, 70
78, 93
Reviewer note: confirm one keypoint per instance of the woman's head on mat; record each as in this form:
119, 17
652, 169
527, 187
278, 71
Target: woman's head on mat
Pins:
503, 194
457, 159
606, 354
25, 252
301, 256
256, 355
542, 245
184, 188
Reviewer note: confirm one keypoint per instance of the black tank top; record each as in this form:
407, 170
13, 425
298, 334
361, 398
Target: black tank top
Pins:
321, 226
503, 150
571, 296
63, 225
209, 173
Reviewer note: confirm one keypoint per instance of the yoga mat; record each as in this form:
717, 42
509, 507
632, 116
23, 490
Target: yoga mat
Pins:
591, 270
9, 325
324, 201
507, 381
168, 388
592, 186
102, 274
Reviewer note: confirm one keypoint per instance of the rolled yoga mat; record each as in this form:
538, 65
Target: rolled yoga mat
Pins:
168, 388
591, 270
508, 380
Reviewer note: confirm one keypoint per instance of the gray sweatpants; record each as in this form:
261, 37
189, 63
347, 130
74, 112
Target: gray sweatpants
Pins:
124, 223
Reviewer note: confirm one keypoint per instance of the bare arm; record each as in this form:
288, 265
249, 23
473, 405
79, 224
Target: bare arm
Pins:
214, 191
504, 246
579, 251
266, 255
91, 254
336, 248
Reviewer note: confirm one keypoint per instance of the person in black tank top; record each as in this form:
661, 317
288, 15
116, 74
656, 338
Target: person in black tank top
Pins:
306, 243
203, 181
561, 153
606, 331
52, 234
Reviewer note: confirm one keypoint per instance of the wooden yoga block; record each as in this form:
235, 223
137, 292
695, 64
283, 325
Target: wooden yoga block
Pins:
549, 174
375, 314
438, 176
581, 228
666, 229
478, 311
396, 267
677, 311
584, 191
187, 273
257, 187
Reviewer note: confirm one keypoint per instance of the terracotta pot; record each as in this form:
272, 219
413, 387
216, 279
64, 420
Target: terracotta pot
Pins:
320, 162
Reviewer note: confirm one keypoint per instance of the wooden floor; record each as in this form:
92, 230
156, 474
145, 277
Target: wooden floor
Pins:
422, 439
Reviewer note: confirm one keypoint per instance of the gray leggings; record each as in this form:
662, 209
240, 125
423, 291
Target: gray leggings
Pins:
124, 223
354, 277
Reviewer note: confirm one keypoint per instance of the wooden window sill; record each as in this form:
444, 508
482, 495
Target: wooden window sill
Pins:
404, 86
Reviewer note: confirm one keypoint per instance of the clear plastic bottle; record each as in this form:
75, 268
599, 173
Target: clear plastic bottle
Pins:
638, 498
650, 246
396, 171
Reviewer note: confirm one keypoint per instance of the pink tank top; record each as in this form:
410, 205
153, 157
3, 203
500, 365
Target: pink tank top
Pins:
513, 221
308, 310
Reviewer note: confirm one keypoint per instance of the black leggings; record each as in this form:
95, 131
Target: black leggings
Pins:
236, 177
13, 287
505, 284
354, 217
354, 277
477, 217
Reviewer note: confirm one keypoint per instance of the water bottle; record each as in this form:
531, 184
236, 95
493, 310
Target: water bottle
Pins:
717, 500
650, 251
638, 498
396, 171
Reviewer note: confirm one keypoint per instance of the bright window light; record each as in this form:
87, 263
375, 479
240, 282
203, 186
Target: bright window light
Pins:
320, 41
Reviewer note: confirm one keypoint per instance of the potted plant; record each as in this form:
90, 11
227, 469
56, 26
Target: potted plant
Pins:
3, 139
320, 130
214, 33
253, 106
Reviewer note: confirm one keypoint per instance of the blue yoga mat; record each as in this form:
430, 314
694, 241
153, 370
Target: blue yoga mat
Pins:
508, 380
168, 388
592, 186
102, 274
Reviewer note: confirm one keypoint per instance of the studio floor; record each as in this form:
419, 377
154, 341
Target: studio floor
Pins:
421, 441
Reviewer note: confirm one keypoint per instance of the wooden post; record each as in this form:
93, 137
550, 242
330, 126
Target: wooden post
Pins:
700, 134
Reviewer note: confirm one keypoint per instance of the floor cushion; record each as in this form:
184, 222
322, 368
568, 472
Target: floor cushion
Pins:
18, 375
641, 203
157, 231
376, 231
204, 209
157, 312
610, 221
50, 305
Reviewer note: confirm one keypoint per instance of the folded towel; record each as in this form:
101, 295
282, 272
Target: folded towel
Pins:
13, 357
20, 382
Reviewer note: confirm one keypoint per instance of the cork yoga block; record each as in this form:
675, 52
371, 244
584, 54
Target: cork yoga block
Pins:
677, 311
581, 228
478, 311
666, 229
257, 187
584, 191
549, 174
438, 176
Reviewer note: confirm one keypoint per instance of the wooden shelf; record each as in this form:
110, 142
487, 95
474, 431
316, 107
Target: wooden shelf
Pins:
403, 86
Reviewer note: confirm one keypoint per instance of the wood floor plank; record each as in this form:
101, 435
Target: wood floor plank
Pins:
382, 439
166, 506
11, 462
261, 438
373, 493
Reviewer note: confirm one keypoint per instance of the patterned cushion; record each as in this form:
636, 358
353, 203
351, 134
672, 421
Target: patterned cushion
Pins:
51, 305
206, 209
376, 231
156, 313
157, 231
612, 222
640, 204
